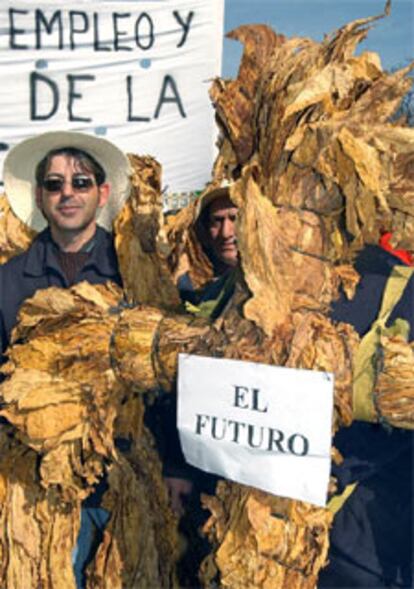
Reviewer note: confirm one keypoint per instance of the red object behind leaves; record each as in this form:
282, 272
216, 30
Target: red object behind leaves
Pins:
403, 255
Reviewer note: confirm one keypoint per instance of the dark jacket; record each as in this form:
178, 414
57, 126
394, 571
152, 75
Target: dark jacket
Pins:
372, 535
37, 268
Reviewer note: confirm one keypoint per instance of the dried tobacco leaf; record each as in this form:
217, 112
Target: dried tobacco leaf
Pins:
140, 542
37, 530
66, 409
15, 237
141, 242
234, 100
264, 541
285, 263
394, 397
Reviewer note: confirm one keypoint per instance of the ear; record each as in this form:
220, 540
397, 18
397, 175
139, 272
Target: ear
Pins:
104, 192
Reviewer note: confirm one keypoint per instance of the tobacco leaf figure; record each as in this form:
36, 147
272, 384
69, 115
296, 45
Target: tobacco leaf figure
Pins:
319, 171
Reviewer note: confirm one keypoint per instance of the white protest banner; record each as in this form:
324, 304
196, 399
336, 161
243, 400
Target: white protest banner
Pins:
265, 426
137, 73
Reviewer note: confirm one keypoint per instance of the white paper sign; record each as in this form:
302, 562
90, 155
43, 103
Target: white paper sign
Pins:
137, 73
264, 426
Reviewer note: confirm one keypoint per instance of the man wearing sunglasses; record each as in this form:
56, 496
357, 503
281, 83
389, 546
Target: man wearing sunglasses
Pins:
68, 187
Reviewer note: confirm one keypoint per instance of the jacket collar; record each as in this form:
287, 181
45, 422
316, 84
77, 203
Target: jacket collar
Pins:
103, 256
41, 256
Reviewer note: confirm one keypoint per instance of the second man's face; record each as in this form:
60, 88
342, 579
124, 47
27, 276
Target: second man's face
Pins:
222, 230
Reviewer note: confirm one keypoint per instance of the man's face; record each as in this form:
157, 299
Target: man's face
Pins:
70, 209
221, 228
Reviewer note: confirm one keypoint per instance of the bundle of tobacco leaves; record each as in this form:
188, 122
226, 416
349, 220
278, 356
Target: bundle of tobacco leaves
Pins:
319, 170
323, 172
66, 408
256, 546
141, 240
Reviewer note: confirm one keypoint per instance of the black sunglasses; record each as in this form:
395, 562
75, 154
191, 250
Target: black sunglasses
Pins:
79, 183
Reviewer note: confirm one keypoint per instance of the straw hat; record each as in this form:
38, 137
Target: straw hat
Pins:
212, 191
21, 162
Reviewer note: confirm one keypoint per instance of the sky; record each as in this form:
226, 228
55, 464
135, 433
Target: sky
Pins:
391, 37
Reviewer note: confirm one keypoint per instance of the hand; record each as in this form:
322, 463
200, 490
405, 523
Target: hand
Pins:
179, 490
